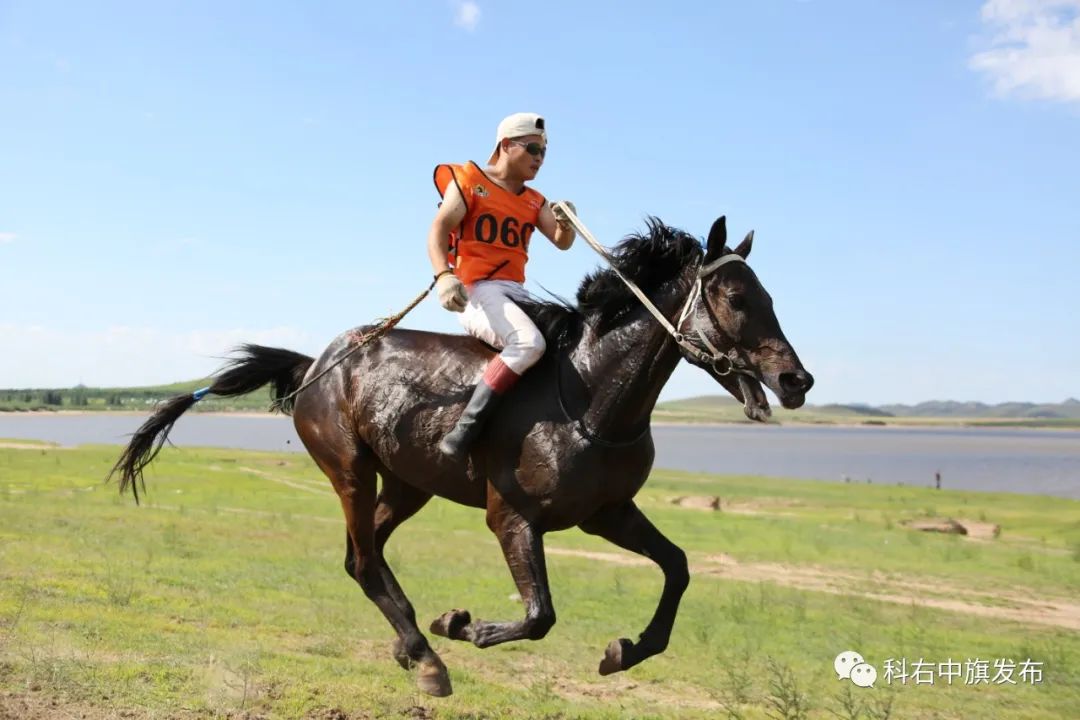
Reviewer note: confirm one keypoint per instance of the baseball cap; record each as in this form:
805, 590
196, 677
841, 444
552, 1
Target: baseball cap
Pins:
515, 126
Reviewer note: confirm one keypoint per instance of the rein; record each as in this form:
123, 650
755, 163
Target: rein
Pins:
384, 326
583, 429
720, 362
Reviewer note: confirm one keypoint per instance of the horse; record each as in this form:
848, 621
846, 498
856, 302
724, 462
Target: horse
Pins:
570, 446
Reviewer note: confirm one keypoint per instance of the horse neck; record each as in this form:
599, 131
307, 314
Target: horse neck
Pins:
625, 370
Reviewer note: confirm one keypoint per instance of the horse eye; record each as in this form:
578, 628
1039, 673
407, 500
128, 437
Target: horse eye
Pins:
737, 301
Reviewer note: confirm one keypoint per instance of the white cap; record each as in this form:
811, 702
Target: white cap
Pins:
515, 126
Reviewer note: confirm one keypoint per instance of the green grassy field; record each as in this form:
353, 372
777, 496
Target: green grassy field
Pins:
225, 596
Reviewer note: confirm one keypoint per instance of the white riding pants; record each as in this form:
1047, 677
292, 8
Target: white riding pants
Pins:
493, 316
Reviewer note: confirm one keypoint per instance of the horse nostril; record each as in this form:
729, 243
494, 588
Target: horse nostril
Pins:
800, 381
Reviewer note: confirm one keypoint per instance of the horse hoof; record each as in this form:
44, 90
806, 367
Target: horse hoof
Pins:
401, 656
613, 656
451, 624
433, 678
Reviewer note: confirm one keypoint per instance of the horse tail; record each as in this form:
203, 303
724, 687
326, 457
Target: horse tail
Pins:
254, 367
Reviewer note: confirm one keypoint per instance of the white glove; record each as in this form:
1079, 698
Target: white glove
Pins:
560, 216
452, 295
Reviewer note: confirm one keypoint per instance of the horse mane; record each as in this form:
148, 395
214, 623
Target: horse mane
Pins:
650, 259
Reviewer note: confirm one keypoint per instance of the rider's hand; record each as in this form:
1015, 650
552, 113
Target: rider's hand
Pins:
560, 216
452, 295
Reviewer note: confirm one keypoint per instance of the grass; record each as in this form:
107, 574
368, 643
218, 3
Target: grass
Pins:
225, 596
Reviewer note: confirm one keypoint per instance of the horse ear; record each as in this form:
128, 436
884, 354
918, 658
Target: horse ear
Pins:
717, 239
745, 245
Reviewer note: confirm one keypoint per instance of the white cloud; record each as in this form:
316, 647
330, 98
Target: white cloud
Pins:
1034, 50
466, 14
6, 237
127, 356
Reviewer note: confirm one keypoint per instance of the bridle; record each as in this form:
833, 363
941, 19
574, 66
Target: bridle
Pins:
720, 362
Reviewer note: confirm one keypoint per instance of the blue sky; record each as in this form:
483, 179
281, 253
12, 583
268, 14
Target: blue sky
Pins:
178, 177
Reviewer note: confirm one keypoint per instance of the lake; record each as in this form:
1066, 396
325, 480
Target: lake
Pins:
1045, 462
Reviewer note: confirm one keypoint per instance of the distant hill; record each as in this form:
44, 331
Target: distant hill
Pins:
723, 408
862, 410
1070, 409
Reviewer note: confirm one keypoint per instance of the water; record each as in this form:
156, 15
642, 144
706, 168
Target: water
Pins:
1041, 462
1044, 462
250, 432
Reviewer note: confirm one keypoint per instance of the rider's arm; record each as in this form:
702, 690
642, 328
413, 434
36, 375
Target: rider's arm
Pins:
447, 219
561, 235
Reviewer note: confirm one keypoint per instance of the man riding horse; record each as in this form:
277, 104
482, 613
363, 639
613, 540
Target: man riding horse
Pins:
575, 446
488, 216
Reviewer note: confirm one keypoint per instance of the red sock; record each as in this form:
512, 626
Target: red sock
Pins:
498, 376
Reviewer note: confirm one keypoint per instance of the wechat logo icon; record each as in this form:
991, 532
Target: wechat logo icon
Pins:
850, 665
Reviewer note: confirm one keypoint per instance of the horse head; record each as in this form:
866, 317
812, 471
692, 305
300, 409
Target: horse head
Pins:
731, 314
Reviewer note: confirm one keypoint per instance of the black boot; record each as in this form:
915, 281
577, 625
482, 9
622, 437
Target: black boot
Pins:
456, 443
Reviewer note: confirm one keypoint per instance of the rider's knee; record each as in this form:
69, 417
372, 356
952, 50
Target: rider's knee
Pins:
530, 346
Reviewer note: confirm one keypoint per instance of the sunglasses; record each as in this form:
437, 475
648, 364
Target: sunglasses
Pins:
533, 148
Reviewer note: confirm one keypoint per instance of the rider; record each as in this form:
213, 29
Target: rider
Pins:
485, 220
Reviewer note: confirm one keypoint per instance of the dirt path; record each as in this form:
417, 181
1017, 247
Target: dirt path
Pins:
1020, 607
323, 490
1024, 606
30, 446
247, 511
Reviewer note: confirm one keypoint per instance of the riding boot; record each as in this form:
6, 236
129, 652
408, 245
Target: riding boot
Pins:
498, 378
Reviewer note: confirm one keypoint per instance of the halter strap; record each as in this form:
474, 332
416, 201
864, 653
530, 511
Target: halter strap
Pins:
715, 264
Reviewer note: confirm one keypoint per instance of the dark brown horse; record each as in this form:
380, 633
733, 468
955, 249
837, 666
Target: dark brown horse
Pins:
570, 447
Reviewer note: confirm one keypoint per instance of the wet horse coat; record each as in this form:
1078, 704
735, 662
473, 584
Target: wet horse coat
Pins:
570, 446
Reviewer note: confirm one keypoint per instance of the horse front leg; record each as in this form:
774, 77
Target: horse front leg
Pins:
626, 526
523, 548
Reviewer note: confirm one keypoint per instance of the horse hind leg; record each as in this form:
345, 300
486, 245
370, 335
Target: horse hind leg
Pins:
407, 653
354, 481
397, 502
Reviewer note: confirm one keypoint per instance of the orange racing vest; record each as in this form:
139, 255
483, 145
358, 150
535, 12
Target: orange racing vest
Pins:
492, 242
